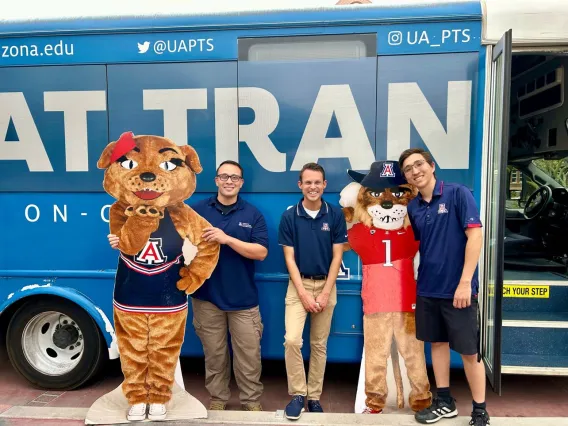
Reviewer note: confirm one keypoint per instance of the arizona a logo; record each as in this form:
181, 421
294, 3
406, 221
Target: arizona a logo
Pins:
152, 253
388, 170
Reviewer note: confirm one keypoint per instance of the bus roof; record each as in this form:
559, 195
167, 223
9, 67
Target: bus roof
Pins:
534, 22
29, 16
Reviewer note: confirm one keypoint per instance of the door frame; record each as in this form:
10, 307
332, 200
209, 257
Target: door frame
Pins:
497, 73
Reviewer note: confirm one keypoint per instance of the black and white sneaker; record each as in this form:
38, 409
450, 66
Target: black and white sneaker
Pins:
437, 411
479, 417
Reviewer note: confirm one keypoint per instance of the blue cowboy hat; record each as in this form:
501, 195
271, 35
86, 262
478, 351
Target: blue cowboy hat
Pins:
383, 174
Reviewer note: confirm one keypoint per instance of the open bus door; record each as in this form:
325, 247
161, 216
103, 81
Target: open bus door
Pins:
492, 293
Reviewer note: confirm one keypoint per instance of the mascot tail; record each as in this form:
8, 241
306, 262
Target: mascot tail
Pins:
397, 375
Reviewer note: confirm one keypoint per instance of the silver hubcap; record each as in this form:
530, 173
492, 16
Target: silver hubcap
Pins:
52, 343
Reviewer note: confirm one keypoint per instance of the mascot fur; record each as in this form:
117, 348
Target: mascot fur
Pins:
150, 177
379, 231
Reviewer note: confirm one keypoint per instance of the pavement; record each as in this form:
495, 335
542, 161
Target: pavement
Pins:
525, 400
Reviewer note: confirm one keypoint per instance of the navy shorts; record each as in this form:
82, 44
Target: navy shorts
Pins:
438, 321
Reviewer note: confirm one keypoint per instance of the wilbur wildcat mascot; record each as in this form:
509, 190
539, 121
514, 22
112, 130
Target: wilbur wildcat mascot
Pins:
150, 177
379, 231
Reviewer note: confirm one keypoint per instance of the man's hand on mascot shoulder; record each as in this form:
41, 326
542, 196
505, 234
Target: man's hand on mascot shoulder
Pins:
216, 235
462, 296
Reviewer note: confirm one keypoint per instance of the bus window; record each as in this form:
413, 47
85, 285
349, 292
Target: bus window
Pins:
520, 187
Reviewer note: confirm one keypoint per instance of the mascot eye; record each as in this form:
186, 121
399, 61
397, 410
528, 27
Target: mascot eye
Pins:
398, 194
129, 164
375, 194
168, 166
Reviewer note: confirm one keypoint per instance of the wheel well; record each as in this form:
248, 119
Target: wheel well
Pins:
9, 312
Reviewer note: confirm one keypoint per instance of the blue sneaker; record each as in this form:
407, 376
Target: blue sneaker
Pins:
314, 406
295, 407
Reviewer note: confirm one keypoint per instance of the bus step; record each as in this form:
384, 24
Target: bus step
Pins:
534, 264
538, 365
540, 334
528, 297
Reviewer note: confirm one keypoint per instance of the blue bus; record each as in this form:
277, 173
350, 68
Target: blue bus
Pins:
478, 83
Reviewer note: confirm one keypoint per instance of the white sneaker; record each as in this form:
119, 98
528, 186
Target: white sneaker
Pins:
157, 412
137, 412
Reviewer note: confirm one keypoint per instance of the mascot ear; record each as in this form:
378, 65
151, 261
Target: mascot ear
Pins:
191, 158
348, 196
104, 161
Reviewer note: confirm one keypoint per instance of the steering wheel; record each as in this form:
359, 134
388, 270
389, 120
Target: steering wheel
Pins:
538, 202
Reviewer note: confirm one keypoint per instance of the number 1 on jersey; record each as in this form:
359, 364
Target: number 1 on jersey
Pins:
388, 253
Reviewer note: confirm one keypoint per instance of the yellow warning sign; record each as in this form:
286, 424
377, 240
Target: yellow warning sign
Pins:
526, 291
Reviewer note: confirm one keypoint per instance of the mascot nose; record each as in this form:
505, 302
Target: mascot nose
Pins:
386, 204
148, 177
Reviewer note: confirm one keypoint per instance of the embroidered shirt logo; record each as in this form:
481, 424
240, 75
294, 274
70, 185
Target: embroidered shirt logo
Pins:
245, 225
152, 253
388, 170
325, 227
442, 208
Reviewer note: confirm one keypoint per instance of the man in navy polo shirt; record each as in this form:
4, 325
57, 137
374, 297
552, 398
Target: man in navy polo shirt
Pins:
445, 220
228, 300
312, 234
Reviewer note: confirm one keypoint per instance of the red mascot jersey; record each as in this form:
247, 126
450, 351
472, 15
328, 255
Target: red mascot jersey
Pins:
388, 273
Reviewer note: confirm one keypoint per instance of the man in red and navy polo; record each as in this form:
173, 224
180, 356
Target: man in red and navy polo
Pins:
445, 220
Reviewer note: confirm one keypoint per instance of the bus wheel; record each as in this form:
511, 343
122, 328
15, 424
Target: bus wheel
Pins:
54, 344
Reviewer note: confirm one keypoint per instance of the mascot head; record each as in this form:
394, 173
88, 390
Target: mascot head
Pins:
149, 170
378, 198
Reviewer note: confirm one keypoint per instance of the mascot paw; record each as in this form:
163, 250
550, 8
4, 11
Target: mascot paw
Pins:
188, 284
144, 211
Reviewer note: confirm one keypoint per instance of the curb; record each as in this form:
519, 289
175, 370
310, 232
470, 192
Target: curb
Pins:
277, 417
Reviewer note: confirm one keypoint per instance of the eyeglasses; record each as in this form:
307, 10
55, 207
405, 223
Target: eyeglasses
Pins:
224, 177
410, 167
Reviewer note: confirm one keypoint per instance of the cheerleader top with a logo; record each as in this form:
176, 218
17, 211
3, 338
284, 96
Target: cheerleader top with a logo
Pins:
388, 267
146, 282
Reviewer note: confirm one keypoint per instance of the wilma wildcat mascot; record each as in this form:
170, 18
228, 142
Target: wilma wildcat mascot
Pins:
380, 233
150, 177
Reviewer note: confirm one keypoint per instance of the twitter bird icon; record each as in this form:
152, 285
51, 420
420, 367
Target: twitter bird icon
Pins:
143, 48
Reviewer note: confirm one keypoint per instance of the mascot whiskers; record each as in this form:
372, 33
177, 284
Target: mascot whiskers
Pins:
150, 177
379, 232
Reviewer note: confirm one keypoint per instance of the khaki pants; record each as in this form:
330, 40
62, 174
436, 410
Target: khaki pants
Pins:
211, 326
149, 346
295, 319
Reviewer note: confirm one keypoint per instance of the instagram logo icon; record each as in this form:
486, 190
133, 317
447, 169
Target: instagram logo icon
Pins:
395, 38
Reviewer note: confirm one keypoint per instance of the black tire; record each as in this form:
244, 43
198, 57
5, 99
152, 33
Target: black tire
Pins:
93, 351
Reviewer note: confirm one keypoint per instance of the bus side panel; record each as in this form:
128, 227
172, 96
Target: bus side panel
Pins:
57, 127
428, 101
179, 102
